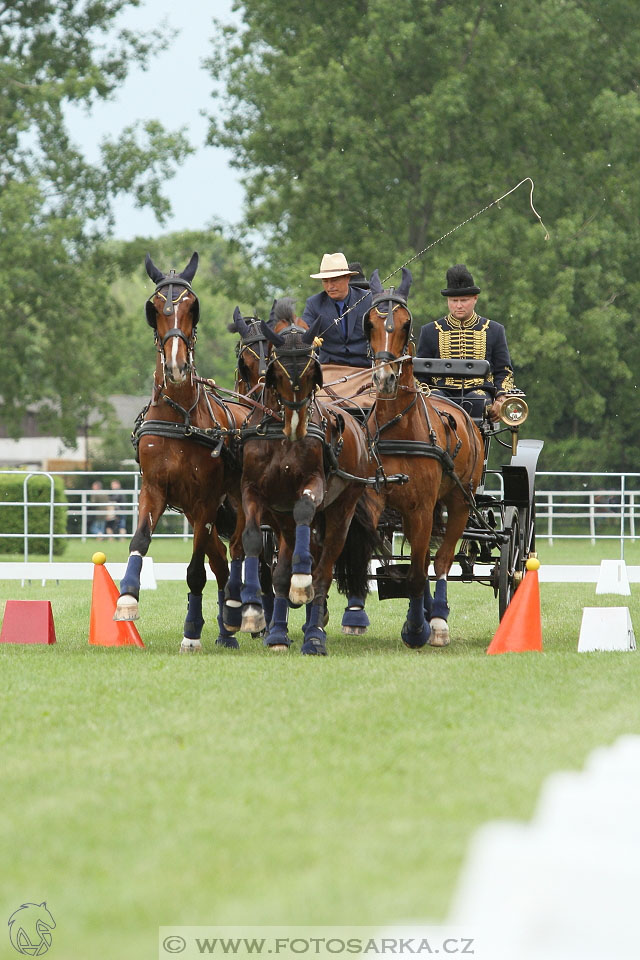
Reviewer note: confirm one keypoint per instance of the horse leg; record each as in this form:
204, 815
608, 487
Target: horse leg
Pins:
277, 637
218, 563
457, 516
416, 631
338, 518
151, 508
232, 613
301, 589
252, 614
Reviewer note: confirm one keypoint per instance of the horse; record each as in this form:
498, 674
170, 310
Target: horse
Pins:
435, 443
305, 466
186, 443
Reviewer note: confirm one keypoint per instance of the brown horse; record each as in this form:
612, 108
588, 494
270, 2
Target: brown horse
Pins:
304, 467
187, 439
435, 443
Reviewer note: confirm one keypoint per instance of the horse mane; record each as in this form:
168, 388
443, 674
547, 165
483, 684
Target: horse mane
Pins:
284, 310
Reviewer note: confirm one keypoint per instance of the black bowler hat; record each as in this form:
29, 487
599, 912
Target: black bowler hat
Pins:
459, 283
359, 280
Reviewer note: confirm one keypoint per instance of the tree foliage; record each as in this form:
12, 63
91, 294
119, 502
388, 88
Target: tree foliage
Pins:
376, 126
56, 207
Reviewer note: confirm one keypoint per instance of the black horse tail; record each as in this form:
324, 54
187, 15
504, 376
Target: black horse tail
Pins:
226, 520
352, 566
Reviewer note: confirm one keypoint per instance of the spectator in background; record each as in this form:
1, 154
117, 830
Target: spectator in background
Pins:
115, 522
98, 502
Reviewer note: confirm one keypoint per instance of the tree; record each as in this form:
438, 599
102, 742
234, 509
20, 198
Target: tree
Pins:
56, 208
376, 126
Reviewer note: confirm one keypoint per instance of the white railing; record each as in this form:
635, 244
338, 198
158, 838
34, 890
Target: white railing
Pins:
610, 510
81, 510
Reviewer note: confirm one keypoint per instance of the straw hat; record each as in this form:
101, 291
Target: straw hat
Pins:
333, 265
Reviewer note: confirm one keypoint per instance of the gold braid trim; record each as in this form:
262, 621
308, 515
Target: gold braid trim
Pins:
462, 342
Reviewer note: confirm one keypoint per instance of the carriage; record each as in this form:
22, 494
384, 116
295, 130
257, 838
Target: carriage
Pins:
500, 534
298, 467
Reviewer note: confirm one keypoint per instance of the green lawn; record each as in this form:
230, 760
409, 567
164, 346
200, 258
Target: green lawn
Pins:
143, 788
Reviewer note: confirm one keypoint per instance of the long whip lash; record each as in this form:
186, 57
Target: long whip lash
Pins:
453, 230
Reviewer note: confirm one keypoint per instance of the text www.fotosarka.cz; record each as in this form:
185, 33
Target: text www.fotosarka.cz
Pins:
318, 942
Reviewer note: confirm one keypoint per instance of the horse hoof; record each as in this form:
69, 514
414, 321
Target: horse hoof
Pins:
253, 619
190, 646
415, 639
277, 647
232, 615
439, 633
301, 589
230, 643
126, 608
355, 621
314, 648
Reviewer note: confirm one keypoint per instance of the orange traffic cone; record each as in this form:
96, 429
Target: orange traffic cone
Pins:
28, 621
104, 631
520, 628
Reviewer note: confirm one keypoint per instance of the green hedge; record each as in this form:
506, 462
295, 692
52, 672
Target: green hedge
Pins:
12, 517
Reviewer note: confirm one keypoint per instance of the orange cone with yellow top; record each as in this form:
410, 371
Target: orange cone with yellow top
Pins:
520, 629
104, 631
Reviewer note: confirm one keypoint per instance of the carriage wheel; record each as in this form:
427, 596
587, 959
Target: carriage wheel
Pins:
511, 560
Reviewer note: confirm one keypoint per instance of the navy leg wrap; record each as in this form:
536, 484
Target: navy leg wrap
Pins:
415, 632
302, 558
314, 636
357, 617
267, 606
225, 639
277, 628
193, 623
427, 602
130, 583
233, 615
440, 605
251, 591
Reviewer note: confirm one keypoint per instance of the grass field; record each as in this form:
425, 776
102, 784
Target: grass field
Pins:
143, 788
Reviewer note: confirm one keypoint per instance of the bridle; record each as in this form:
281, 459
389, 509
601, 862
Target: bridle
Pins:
254, 338
392, 300
290, 352
171, 280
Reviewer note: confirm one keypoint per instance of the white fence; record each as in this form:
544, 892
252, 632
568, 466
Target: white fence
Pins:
594, 506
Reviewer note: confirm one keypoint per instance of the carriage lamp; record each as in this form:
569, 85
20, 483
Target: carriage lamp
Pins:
514, 411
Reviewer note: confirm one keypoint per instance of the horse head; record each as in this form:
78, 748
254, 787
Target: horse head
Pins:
387, 327
173, 312
293, 373
252, 352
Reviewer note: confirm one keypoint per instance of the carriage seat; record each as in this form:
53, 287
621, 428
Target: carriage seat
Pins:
437, 368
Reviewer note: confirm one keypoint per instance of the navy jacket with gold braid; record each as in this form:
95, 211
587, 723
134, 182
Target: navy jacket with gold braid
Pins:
474, 339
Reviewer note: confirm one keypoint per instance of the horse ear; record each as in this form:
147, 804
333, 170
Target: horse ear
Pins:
318, 379
152, 270
376, 286
309, 335
271, 334
240, 324
189, 271
405, 286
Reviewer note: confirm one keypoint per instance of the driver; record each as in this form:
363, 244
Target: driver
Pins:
463, 335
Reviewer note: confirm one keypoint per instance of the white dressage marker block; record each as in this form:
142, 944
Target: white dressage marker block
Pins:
613, 577
606, 628
147, 576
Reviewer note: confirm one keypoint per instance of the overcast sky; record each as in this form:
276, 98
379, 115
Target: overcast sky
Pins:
174, 89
